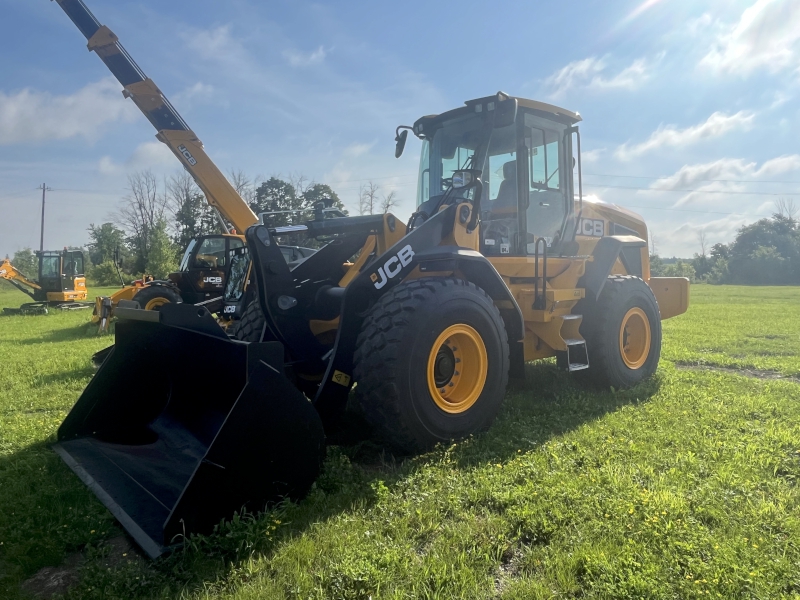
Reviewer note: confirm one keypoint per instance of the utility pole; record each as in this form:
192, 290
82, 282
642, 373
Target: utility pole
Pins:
44, 189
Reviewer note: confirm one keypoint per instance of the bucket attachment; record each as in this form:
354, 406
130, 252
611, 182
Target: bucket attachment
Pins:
182, 426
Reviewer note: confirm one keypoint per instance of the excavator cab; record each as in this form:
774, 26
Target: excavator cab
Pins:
61, 276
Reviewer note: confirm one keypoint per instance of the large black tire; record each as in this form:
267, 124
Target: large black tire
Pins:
250, 327
405, 353
152, 297
621, 358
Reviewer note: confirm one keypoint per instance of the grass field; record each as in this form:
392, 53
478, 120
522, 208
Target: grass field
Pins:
684, 487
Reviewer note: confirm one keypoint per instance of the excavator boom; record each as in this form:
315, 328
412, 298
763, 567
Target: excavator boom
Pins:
172, 129
16, 278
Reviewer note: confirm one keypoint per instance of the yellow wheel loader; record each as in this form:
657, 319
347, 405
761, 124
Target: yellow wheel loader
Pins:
503, 262
61, 282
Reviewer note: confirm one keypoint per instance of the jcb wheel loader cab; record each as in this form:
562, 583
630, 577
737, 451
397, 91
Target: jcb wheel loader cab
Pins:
622, 329
432, 362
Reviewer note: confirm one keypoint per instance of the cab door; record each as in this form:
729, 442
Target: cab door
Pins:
72, 274
207, 269
545, 180
50, 272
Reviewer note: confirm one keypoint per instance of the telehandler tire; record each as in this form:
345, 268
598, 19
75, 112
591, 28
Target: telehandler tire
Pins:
432, 363
250, 327
622, 329
153, 297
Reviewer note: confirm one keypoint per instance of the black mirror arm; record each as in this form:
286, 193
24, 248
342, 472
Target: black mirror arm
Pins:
476, 206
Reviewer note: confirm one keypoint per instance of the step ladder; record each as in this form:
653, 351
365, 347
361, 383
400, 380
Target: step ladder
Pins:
577, 355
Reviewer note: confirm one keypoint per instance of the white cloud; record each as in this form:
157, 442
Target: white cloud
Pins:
149, 155
716, 125
34, 116
301, 59
728, 170
592, 156
592, 73
767, 37
354, 150
198, 91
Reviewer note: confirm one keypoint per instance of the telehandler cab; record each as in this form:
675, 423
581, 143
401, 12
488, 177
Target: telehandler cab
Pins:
502, 262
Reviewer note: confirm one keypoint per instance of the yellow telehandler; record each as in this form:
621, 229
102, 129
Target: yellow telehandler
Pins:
502, 262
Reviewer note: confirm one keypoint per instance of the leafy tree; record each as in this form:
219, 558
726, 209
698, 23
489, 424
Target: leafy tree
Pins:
25, 260
162, 258
656, 266
193, 215
279, 197
105, 239
106, 274
766, 252
320, 191
141, 212
680, 269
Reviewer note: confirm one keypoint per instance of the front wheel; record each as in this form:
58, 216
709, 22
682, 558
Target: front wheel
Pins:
153, 297
622, 329
432, 363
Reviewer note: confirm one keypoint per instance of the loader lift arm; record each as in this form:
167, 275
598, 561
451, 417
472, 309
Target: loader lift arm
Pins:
171, 128
17, 278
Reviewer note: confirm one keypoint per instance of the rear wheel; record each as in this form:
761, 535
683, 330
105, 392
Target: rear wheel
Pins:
432, 363
153, 297
623, 333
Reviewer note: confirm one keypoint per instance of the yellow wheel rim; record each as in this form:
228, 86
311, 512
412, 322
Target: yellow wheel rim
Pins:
457, 366
156, 303
634, 338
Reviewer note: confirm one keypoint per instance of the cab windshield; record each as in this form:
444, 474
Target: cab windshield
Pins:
453, 147
186, 255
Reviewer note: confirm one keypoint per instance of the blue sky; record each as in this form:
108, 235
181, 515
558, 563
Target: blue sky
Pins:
690, 107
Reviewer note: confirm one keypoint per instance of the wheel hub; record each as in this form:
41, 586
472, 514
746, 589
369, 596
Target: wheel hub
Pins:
635, 338
457, 368
445, 365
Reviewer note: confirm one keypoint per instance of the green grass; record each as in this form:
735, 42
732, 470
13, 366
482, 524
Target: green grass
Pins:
684, 487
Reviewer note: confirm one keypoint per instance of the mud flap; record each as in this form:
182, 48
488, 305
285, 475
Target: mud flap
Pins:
181, 426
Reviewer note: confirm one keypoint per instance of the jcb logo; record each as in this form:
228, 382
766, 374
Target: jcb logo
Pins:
592, 227
187, 155
392, 267
214, 280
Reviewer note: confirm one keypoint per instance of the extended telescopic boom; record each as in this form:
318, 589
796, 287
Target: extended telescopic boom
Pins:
172, 129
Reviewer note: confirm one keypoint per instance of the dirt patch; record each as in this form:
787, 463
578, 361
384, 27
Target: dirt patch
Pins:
119, 550
754, 373
50, 581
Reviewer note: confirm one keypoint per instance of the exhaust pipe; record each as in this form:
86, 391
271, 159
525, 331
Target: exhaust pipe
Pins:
209, 426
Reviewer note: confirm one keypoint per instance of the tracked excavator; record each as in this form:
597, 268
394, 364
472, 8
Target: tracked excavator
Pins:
503, 262
61, 282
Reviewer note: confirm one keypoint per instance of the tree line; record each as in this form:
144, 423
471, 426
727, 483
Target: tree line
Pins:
157, 219
766, 252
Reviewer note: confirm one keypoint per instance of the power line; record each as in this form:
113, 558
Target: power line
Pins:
702, 179
700, 191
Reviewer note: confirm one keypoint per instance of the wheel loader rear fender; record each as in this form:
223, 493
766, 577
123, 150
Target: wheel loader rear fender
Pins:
611, 247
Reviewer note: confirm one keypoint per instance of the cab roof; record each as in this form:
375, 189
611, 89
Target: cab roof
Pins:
554, 112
